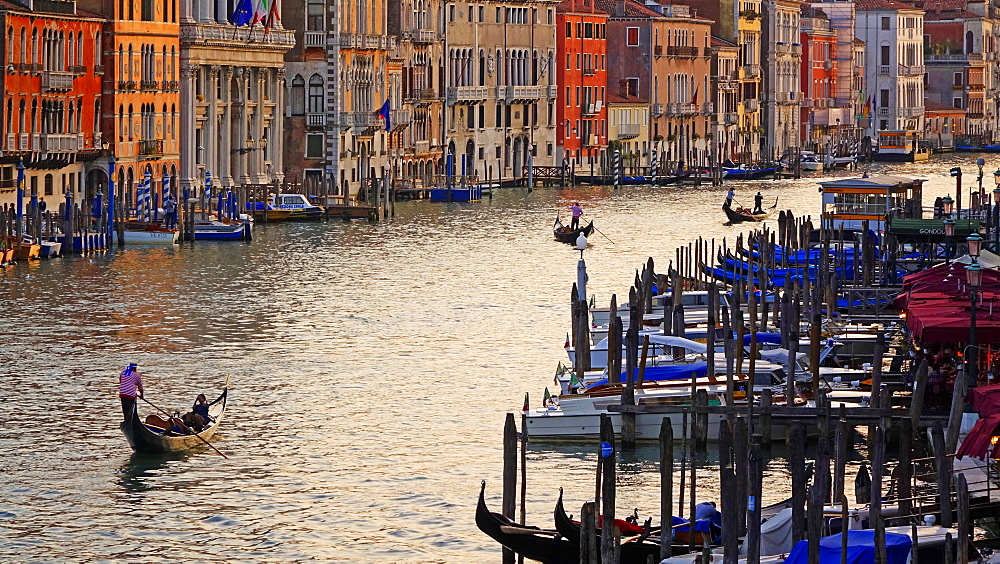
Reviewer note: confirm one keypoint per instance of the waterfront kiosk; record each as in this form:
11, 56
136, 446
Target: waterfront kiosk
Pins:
848, 203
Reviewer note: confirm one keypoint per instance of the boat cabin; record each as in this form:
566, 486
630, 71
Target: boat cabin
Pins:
849, 202
290, 201
900, 145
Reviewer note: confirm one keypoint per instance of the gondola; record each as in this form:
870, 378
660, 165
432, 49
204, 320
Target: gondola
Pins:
530, 542
565, 234
633, 549
146, 438
739, 215
748, 173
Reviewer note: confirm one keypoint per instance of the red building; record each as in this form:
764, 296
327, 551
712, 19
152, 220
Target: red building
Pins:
52, 98
581, 73
820, 117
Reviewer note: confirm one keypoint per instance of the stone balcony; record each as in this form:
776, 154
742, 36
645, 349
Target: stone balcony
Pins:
751, 71
656, 110
467, 94
315, 39
213, 34
57, 81
151, 147
61, 142
514, 93
628, 130
315, 120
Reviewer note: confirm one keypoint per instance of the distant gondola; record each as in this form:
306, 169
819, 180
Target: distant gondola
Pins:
568, 235
146, 438
634, 549
739, 215
530, 542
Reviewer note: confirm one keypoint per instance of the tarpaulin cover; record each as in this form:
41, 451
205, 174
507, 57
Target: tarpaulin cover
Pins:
860, 549
984, 399
763, 338
978, 442
667, 372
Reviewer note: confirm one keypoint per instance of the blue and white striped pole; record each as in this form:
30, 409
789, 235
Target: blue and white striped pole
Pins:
147, 194
222, 195
20, 199
208, 194
618, 168
166, 188
652, 166
230, 203
111, 199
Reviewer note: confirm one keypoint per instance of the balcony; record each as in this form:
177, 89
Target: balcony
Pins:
911, 70
126, 85
53, 81
911, 112
553, 91
315, 120
592, 108
401, 118
797, 49
588, 71
148, 85
708, 108
423, 36
656, 110
682, 51
522, 92
362, 42
467, 94
315, 39
364, 120
98, 69
657, 50
77, 69
883, 112
730, 118
171, 85
628, 130
22, 141
883, 69
959, 58
680, 110
781, 48
61, 142
751, 71
151, 147
786, 97
750, 105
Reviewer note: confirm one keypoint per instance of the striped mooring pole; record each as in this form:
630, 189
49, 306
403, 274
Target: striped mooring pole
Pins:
652, 167
618, 169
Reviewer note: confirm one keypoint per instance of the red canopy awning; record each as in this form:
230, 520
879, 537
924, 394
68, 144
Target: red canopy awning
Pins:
937, 304
979, 442
984, 399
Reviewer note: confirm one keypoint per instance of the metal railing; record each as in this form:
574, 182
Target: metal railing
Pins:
628, 130
151, 146
315, 39
315, 120
57, 80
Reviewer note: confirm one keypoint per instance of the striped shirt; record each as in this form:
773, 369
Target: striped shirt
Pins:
128, 383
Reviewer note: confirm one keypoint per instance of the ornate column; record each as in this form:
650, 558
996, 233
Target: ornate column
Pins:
258, 125
211, 127
277, 137
226, 141
187, 14
238, 104
188, 157
221, 12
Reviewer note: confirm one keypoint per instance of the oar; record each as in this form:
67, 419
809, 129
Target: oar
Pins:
171, 417
602, 233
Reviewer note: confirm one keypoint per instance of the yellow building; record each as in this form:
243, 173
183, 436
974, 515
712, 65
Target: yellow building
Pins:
748, 132
628, 130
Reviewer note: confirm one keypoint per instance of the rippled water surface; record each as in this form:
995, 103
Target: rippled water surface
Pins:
372, 365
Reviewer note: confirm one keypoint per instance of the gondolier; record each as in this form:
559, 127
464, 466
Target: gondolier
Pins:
758, 201
129, 382
729, 198
577, 212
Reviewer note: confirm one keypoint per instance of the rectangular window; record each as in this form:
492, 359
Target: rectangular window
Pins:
498, 15
884, 98
884, 55
451, 12
885, 23
314, 145
958, 79
633, 86
569, 30
472, 13
551, 17
314, 15
632, 36
588, 30
957, 102
482, 14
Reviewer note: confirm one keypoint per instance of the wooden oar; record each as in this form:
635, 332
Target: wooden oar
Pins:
602, 233
183, 426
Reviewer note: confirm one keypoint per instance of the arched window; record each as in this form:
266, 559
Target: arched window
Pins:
969, 42
9, 124
35, 56
20, 117
10, 44
298, 96
315, 94
48, 184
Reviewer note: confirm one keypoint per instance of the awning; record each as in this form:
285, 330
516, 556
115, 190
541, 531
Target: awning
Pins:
978, 443
931, 230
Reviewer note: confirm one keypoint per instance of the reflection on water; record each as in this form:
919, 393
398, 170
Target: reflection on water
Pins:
372, 367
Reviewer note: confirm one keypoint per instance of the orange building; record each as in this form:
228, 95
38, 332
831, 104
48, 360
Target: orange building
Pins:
581, 73
51, 101
141, 91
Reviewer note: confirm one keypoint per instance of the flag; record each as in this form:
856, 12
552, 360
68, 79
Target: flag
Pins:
547, 397
260, 11
574, 382
867, 107
525, 408
383, 113
272, 17
242, 13
566, 346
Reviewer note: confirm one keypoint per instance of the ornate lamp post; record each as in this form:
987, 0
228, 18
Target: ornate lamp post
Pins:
949, 234
996, 211
974, 276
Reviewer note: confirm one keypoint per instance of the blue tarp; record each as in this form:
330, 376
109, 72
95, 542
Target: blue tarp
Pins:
763, 338
668, 372
860, 549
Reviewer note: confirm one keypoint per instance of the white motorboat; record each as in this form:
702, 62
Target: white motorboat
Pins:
659, 345
150, 234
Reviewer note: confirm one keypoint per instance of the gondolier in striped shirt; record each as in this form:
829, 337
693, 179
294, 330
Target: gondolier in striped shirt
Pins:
129, 383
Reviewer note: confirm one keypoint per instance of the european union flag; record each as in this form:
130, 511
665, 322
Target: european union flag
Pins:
383, 113
242, 13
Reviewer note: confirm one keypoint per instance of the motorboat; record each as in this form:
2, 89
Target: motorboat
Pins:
149, 233
214, 230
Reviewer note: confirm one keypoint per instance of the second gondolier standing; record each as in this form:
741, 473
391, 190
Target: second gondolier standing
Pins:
129, 382
577, 212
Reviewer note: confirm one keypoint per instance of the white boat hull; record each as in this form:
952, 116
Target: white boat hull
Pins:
547, 424
811, 166
152, 237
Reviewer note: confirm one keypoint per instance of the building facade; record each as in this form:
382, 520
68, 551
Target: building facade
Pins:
52, 101
893, 33
581, 75
782, 52
820, 70
501, 87
233, 98
141, 102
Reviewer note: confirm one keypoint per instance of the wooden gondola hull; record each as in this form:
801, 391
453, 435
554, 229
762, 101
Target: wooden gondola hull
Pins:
143, 440
533, 544
569, 236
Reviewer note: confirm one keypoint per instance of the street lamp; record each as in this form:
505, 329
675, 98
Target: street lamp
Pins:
949, 234
957, 173
974, 275
975, 242
980, 162
947, 205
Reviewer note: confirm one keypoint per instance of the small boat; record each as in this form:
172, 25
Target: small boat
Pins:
565, 234
149, 233
741, 173
739, 215
636, 546
147, 437
543, 545
50, 249
286, 207
213, 230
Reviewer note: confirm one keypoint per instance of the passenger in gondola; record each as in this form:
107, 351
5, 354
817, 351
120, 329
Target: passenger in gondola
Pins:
198, 418
758, 202
577, 212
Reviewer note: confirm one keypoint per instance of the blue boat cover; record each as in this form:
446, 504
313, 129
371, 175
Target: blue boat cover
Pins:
668, 372
766, 338
703, 525
860, 549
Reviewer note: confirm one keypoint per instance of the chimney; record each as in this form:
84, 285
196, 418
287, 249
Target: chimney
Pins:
620, 8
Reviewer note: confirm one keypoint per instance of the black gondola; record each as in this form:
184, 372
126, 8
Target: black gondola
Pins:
634, 549
565, 234
531, 542
739, 215
146, 438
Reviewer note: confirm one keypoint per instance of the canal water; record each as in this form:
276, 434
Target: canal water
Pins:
371, 366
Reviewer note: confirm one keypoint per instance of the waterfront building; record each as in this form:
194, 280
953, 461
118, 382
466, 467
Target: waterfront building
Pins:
364, 87
501, 87
782, 52
821, 117
417, 147
311, 112
726, 93
581, 75
51, 101
847, 60
141, 102
860, 100
893, 33
944, 124
628, 130
958, 63
232, 97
